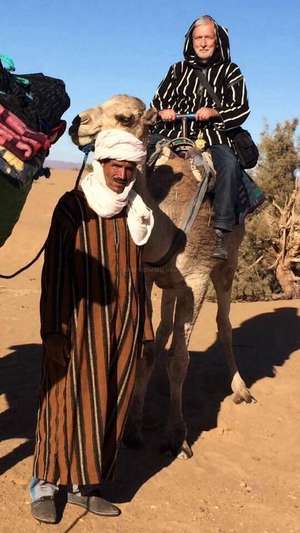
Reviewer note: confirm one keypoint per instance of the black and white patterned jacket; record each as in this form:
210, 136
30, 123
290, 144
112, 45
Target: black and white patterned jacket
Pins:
181, 90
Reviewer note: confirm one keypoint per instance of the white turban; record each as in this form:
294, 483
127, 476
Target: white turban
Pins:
120, 145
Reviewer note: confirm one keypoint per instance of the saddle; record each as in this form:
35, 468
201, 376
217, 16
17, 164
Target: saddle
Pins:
250, 196
200, 160
202, 168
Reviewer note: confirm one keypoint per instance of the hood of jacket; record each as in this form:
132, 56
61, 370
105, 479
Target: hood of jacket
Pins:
221, 53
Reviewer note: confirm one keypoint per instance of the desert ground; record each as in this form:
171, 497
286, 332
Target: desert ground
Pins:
244, 476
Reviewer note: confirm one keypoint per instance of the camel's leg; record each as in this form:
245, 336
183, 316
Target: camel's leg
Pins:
177, 366
165, 327
188, 304
222, 277
145, 366
133, 436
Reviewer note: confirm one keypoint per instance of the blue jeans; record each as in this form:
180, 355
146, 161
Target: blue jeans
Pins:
228, 172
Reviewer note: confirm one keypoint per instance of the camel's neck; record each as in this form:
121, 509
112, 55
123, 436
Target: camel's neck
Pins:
164, 230
168, 192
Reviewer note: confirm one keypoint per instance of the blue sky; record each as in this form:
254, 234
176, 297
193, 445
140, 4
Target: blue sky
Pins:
104, 48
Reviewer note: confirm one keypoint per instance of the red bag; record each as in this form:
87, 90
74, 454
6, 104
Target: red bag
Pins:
21, 140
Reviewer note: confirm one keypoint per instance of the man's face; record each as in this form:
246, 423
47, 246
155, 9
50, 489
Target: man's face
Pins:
118, 174
204, 41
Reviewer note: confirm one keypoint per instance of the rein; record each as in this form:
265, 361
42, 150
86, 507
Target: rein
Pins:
194, 206
86, 149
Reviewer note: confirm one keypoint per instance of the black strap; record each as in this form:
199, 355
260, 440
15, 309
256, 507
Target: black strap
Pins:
208, 87
177, 245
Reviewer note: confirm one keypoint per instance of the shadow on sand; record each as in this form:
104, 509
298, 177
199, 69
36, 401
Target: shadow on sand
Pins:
261, 343
19, 381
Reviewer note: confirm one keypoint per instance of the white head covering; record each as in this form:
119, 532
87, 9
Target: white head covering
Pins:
123, 146
120, 145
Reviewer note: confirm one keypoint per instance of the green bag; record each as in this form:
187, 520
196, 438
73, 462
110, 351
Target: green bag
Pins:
12, 200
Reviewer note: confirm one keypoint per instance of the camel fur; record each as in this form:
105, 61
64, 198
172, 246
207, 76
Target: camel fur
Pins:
120, 111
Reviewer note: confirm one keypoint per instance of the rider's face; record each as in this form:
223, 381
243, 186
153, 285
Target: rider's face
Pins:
204, 40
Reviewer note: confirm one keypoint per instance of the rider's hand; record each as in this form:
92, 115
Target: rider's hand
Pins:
167, 114
57, 349
205, 113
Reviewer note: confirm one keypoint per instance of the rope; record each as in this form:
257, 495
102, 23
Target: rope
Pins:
86, 149
195, 205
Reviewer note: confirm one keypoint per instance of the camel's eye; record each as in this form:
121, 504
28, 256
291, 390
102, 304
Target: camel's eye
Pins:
126, 120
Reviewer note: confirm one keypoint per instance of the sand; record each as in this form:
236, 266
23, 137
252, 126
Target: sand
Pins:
244, 476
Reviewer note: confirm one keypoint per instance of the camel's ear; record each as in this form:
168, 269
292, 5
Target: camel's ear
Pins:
150, 116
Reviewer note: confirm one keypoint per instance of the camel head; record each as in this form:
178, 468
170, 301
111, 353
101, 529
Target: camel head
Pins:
120, 111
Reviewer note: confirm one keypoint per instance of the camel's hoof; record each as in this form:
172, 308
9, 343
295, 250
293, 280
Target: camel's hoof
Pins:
185, 452
240, 391
243, 396
182, 452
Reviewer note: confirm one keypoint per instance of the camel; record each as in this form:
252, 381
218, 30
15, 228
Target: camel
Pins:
178, 262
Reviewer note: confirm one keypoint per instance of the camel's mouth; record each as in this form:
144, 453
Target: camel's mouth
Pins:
73, 129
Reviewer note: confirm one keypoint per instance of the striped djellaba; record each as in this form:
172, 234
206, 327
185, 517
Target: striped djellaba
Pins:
182, 90
93, 294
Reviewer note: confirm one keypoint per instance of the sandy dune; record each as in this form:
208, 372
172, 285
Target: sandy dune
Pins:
244, 476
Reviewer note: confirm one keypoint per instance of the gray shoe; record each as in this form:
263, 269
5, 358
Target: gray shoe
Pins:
220, 251
44, 510
94, 504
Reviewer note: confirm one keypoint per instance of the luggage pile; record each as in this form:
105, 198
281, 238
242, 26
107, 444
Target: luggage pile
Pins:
31, 107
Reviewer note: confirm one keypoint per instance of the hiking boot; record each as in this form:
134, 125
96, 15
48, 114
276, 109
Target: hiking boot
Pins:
44, 510
95, 504
220, 251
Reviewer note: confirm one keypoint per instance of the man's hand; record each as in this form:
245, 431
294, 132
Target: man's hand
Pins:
167, 114
205, 113
57, 349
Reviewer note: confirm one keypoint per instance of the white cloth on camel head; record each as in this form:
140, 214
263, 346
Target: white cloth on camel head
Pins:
119, 144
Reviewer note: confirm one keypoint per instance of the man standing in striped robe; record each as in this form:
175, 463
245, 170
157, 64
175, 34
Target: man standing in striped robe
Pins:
206, 50
93, 324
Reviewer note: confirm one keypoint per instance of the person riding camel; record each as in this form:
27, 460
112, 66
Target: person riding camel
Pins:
183, 91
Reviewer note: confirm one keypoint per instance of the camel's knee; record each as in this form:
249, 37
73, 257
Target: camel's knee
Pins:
144, 368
